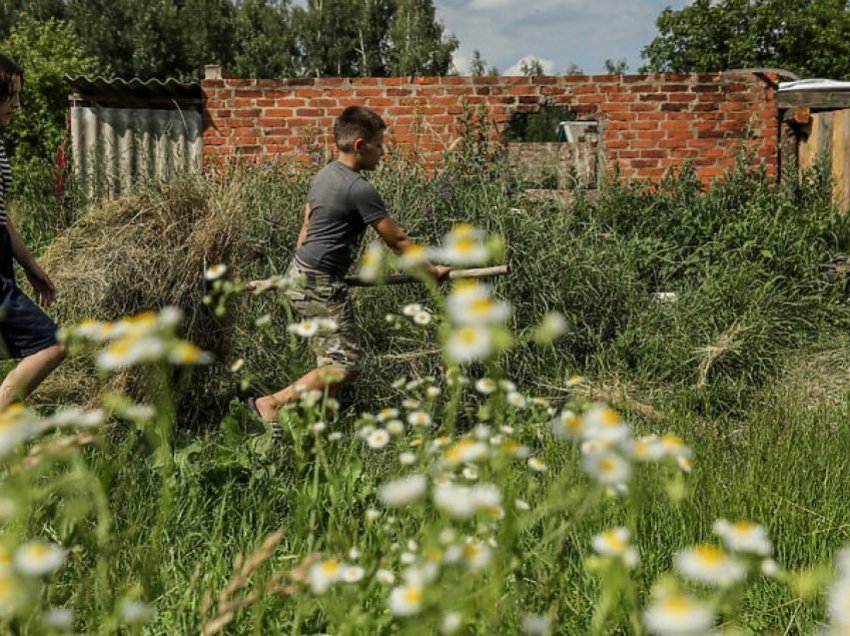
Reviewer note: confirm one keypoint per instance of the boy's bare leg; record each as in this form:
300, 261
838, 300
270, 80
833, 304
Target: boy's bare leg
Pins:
327, 378
29, 373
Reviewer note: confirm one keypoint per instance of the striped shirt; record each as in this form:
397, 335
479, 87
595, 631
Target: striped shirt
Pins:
5, 182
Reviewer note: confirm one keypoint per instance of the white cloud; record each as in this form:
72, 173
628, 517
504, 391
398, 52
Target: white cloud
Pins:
516, 69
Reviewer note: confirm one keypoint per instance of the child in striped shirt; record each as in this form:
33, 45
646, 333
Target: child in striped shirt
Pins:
26, 332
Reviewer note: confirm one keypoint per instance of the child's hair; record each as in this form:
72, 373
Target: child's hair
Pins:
9, 69
356, 122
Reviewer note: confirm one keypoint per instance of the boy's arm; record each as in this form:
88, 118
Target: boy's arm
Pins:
303, 233
399, 242
45, 292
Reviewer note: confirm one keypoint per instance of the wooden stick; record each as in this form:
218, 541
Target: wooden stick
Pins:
400, 279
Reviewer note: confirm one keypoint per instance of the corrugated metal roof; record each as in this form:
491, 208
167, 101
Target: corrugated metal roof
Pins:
815, 84
136, 93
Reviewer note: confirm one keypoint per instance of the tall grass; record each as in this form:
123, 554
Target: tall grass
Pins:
174, 524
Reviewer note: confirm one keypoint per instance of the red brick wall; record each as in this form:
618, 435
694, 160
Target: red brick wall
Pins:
649, 123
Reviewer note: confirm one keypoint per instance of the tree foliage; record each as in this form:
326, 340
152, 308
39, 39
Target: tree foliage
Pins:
811, 38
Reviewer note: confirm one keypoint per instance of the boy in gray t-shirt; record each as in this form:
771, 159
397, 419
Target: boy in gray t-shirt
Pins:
340, 206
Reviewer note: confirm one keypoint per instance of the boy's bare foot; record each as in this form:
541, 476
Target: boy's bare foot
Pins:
266, 408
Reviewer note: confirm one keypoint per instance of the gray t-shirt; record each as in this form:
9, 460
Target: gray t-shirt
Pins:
342, 205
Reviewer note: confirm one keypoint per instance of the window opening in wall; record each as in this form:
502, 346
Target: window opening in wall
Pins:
541, 126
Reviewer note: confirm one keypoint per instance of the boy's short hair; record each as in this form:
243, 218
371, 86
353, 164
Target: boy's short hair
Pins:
9, 69
356, 122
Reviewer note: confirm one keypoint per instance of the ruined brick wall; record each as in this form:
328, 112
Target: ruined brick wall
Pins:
647, 123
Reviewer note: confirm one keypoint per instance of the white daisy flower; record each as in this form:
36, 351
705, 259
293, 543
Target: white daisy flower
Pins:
550, 328
769, 567
521, 504
839, 603
59, 619
470, 472
410, 404
407, 558
507, 386
568, 425
372, 514
473, 304
678, 614
451, 622
324, 574
485, 386
395, 427
709, 564
411, 310
127, 352
476, 554
352, 574
354, 553
674, 446
536, 625
404, 491
335, 436
615, 543
605, 424
419, 419
136, 613
433, 391
398, 383
237, 365
536, 464
187, 353
414, 255
464, 248
215, 272
378, 439
372, 263
38, 558
305, 328
458, 502
607, 468
385, 577
516, 400
422, 318
645, 449
319, 427
11, 596
406, 600
387, 414
486, 497
744, 536
466, 451
407, 459
470, 343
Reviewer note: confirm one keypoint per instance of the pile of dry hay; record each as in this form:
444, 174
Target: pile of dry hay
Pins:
148, 250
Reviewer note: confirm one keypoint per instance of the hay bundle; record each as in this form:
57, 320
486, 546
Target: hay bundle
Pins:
148, 250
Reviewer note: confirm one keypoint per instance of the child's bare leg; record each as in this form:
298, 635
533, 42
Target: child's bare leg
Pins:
327, 378
29, 373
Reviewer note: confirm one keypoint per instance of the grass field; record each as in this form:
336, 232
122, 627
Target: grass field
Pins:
184, 517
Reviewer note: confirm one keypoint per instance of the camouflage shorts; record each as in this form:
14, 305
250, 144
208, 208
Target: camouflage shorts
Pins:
321, 296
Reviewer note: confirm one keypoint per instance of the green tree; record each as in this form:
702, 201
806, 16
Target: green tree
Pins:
808, 38
419, 45
327, 36
478, 67
263, 39
159, 38
47, 51
41, 10
532, 67
616, 67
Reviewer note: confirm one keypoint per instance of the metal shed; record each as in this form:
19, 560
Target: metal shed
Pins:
124, 130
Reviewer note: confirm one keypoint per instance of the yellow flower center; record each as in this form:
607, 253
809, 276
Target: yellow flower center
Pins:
614, 540
413, 595
678, 604
330, 568
744, 526
710, 554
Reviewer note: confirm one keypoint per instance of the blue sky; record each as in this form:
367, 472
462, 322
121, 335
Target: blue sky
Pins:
558, 32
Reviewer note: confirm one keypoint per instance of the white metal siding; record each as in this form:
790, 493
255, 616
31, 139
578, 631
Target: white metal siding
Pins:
113, 147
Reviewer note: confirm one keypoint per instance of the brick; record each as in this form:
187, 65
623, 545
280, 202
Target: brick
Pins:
399, 92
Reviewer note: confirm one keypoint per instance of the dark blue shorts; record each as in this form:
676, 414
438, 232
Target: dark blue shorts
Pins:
24, 327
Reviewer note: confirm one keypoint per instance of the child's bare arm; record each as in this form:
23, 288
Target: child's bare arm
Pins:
304, 226
45, 292
399, 242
